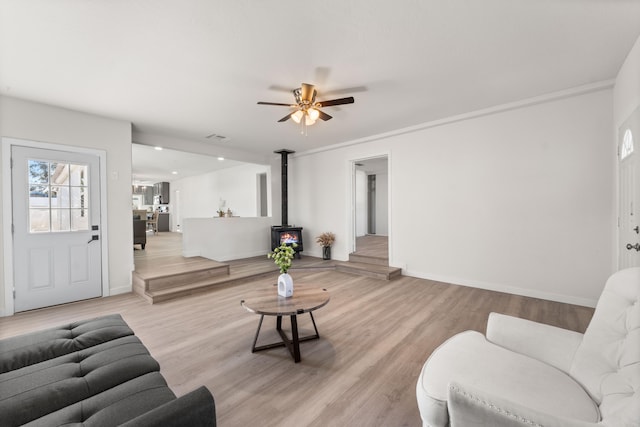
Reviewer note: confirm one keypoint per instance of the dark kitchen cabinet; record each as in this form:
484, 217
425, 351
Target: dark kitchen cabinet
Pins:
163, 221
161, 193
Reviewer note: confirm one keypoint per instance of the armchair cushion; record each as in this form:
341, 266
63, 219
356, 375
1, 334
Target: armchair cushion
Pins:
469, 359
549, 344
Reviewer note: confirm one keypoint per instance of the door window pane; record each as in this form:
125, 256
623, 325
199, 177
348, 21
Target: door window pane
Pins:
60, 173
78, 175
627, 145
58, 196
60, 220
38, 220
79, 220
38, 196
38, 172
79, 197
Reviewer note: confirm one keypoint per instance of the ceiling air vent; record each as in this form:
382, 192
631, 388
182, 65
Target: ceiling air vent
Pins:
216, 137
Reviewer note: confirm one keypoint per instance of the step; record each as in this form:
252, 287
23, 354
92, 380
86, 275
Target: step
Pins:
367, 259
178, 274
369, 270
169, 281
166, 294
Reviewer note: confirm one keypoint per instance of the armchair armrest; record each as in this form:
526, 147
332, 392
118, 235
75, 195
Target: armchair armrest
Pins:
552, 345
195, 409
472, 407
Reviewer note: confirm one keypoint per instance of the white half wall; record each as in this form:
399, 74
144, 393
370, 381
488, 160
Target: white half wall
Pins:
32, 121
225, 239
517, 199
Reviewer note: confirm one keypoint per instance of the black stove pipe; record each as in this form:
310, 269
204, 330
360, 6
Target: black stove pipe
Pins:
285, 185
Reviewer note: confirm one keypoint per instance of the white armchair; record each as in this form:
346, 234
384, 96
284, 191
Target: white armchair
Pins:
525, 373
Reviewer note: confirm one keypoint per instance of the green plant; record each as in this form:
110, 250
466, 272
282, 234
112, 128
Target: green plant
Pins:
282, 256
326, 239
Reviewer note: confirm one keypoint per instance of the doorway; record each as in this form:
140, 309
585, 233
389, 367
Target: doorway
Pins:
371, 207
57, 255
629, 186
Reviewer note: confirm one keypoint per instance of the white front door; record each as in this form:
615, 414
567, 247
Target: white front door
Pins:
629, 211
56, 227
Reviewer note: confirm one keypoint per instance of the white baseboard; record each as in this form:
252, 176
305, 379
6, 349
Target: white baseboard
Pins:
120, 290
189, 254
567, 299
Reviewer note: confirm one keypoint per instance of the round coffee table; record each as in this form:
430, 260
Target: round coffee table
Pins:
267, 302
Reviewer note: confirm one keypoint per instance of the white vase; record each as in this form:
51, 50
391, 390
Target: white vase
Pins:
285, 285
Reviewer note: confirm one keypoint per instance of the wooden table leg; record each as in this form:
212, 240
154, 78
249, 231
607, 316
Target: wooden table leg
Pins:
293, 344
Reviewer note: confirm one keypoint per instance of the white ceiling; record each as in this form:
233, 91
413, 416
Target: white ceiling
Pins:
191, 68
151, 165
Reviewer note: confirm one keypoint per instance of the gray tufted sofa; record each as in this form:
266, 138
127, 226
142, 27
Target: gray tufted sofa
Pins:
525, 373
91, 373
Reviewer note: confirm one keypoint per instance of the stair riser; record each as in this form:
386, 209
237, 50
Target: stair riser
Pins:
139, 290
185, 278
368, 260
204, 288
359, 272
394, 274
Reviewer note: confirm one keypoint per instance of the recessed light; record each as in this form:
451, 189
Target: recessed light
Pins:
158, 148
221, 158
175, 172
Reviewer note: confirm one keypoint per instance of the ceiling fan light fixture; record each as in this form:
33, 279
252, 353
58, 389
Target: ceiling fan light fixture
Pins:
308, 120
313, 114
297, 116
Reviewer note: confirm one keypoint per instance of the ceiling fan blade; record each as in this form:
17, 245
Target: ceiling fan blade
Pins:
345, 90
307, 92
285, 118
340, 101
275, 103
279, 88
324, 116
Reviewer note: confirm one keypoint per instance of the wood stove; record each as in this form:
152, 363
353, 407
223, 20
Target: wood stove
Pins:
285, 233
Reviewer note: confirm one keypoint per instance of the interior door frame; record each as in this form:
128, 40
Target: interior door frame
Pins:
352, 201
7, 213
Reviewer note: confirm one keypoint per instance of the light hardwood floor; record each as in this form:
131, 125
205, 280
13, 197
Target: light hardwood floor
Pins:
372, 245
374, 338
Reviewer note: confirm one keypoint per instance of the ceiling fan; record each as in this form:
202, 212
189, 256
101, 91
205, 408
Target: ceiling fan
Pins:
307, 110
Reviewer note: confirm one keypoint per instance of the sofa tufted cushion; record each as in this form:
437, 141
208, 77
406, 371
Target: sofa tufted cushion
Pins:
29, 349
607, 362
469, 359
39, 389
114, 406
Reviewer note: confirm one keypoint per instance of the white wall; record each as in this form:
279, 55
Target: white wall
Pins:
43, 123
517, 199
626, 91
200, 195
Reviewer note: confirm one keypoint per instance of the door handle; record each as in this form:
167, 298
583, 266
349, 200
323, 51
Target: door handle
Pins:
93, 238
636, 246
